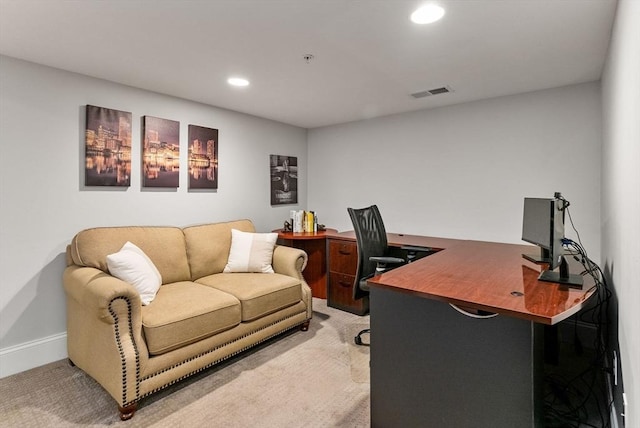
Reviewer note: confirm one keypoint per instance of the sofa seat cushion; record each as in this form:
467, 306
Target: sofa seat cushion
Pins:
185, 312
259, 293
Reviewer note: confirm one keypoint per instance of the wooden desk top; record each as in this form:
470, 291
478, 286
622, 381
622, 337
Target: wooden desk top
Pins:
489, 276
321, 234
400, 239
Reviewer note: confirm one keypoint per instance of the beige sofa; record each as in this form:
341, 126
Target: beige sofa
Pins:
199, 317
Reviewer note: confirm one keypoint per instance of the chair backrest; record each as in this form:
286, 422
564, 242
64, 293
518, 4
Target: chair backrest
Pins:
371, 239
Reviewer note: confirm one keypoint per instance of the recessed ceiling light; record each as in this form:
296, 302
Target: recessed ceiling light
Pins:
427, 14
238, 81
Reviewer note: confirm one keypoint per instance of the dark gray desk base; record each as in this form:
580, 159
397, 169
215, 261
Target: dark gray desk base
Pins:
434, 367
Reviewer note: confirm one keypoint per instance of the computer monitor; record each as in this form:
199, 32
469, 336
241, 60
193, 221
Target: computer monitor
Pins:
543, 226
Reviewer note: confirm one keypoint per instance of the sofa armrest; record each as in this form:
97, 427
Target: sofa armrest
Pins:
289, 261
104, 330
292, 261
95, 290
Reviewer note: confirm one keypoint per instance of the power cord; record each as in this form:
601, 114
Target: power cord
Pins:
566, 402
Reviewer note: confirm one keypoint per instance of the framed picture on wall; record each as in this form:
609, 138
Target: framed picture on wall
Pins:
107, 147
284, 179
203, 157
160, 152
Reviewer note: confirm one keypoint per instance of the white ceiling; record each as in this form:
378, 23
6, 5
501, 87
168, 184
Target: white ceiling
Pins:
368, 56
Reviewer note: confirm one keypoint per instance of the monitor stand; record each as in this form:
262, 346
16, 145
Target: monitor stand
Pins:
543, 257
563, 277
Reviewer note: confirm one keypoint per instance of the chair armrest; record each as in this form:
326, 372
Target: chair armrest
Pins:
412, 248
382, 262
392, 260
415, 253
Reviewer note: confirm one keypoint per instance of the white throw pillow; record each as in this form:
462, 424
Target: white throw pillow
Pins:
132, 265
251, 252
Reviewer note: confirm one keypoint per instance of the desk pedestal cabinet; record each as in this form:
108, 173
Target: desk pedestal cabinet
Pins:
343, 261
472, 372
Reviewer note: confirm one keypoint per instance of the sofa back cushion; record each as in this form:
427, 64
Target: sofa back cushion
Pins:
165, 246
208, 246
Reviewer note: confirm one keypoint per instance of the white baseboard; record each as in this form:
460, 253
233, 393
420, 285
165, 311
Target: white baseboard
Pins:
25, 356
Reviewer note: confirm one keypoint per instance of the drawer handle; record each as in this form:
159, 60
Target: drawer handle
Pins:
469, 314
344, 251
345, 283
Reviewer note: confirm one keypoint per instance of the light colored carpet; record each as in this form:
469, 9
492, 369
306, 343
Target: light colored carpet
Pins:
302, 379
358, 354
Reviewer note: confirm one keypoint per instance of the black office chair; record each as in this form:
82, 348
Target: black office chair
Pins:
373, 252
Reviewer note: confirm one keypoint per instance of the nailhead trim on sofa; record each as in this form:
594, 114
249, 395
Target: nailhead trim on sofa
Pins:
213, 363
118, 339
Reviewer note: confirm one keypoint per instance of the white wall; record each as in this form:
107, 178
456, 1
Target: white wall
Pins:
621, 192
43, 201
463, 171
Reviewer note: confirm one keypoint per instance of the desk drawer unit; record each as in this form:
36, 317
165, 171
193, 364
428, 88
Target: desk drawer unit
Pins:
343, 261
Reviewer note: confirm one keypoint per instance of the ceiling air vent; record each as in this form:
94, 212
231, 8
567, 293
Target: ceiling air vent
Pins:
436, 91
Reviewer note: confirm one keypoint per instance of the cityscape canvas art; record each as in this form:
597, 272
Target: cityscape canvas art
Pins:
160, 152
284, 179
203, 157
107, 147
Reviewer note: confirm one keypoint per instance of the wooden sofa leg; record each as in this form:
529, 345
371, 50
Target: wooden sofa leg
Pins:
127, 412
305, 325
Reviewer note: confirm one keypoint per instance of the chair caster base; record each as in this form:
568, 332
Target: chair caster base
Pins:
358, 338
